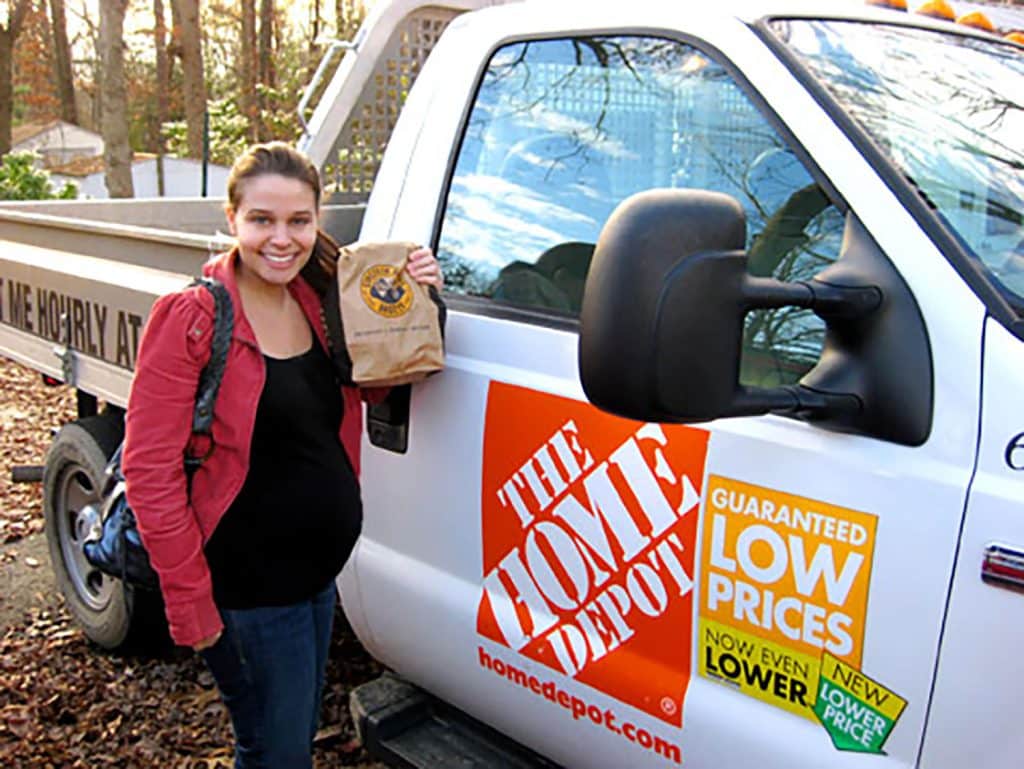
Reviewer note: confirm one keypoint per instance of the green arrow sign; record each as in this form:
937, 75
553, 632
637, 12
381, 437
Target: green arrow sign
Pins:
856, 711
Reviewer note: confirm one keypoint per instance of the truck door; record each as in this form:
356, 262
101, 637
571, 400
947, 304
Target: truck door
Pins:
750, 592
974, 719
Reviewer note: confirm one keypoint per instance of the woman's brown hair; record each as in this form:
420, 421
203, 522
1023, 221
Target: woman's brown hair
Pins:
284, 160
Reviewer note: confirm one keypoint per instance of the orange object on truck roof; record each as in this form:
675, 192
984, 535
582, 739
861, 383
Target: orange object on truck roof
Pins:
976, 19
937, 9
896, 5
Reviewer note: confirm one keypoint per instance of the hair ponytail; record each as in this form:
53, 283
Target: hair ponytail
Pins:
322, 268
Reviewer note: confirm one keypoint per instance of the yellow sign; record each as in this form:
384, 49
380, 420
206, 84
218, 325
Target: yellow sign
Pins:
783, 579
760, 668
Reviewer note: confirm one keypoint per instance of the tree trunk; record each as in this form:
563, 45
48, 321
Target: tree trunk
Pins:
163, 77
266, 56
315, 23
247, 76
89, 109
8, 35
62, 63
192, 74
117, 152
6, 90
339, 18
347, 18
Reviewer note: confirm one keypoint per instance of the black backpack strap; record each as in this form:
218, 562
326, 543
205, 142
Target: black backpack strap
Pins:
211, 375
120, 552
330, 316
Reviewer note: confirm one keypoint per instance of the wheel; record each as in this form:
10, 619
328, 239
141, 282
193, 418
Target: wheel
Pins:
112, 614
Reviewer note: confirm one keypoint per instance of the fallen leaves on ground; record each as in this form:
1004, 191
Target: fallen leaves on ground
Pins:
65, 703
29, 410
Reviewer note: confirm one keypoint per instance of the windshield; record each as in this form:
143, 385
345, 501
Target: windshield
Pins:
949, 112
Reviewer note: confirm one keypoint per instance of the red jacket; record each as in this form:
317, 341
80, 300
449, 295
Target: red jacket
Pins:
174, 348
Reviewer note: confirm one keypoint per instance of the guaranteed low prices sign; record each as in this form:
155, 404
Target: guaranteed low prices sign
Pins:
784, 592
589, 532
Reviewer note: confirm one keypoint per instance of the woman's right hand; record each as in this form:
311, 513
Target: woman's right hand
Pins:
206, 643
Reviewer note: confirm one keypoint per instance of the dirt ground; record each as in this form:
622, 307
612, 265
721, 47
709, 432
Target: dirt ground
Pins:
64, 703
26, 581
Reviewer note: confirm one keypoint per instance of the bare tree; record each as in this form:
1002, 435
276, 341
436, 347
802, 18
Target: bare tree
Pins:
62, 62
346, 19
315, 23
8, 34
247, 76
266, 53
87, 97
117, 152
187, 21
163, 77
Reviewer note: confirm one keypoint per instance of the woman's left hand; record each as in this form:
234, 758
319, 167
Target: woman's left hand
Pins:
424, 268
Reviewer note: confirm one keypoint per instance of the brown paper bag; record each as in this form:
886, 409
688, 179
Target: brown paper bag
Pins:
391, 325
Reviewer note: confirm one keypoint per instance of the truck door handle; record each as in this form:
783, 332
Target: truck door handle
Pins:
1003, 566
387, 422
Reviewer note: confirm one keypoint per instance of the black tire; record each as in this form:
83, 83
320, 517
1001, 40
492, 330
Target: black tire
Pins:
113, 615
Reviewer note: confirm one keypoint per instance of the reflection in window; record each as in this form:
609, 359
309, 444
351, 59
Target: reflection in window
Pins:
563, 130
948, 110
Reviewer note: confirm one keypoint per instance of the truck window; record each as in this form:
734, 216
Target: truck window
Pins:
563, 130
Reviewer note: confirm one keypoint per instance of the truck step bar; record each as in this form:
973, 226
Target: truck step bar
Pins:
403, 726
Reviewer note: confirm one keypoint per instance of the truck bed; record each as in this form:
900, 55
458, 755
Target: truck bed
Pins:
78, 278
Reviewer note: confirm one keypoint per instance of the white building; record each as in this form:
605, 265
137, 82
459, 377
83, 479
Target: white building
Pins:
57, 142
182, 177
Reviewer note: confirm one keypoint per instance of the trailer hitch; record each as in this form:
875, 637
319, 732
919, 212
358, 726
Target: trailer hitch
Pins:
65, 352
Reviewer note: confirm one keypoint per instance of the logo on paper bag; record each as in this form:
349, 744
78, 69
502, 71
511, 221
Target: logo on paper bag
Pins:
385, 291
589, 527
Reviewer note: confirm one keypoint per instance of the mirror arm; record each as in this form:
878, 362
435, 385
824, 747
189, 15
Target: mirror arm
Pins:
829, 301
768, 293
811, 404
832, 302
795, 400
751, 401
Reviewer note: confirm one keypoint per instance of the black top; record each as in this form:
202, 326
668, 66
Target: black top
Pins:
297, 517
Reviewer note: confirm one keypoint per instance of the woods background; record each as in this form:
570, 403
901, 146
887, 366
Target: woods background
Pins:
146, 74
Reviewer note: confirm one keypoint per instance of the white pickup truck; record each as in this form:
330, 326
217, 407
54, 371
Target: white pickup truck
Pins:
725, 467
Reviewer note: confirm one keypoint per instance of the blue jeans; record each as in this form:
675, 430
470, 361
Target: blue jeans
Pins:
270, 665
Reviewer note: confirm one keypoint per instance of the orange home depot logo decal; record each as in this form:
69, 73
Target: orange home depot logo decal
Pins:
589, 531
784, 580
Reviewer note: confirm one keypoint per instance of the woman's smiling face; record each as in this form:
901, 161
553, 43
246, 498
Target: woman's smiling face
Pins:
275, 224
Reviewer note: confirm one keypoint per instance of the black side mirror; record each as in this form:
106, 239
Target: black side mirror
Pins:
661, 326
